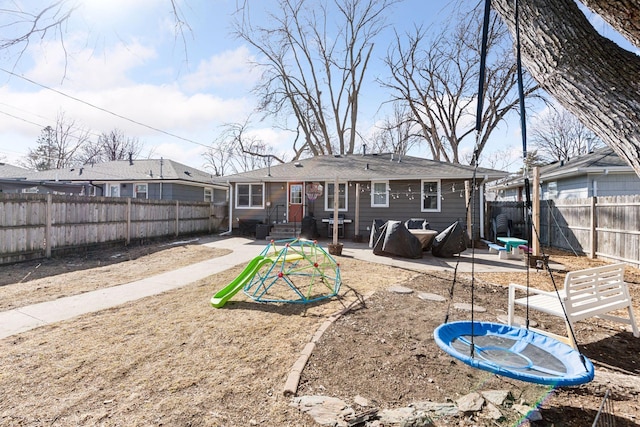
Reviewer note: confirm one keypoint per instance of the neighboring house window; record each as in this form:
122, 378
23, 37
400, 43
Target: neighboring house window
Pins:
430, 196
342, 196
140, 191
249, 195
113, 190
208, 195
380, 194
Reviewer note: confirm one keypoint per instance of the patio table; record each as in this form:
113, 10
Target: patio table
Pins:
512, 243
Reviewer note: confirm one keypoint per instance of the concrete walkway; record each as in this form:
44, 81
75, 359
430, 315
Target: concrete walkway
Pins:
26, 318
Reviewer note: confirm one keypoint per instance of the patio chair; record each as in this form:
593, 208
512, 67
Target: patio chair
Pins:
501, 225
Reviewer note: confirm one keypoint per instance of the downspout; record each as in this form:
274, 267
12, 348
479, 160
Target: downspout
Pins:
230, 230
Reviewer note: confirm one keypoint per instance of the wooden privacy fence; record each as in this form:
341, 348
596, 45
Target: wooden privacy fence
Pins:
36, 225
605, 227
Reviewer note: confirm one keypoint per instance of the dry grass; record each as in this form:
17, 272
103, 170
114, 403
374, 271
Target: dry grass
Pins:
35, 282
170, 359
173, 360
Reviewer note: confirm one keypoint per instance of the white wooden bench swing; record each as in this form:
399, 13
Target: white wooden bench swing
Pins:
593, 292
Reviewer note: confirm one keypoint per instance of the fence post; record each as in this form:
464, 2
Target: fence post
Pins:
211, 211
549, 207
48, 228
535, 208
592, 229
177, 218
128, 220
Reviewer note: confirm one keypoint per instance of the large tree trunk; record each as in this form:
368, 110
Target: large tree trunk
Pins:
623, 15
592, 77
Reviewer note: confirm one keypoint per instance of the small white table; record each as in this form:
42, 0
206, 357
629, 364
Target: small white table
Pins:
341, 223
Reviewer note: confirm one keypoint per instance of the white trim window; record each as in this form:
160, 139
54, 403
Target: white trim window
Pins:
249, 196
141, 191
379, 194
113, 190
430, 194
208, 194
343, 200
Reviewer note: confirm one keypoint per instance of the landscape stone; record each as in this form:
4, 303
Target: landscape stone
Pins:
531, 413
398, 289
492, 412
436, 408
467, 307
497, 397
395, 417
418, 419
431, 297
471, 402
325, 410
362, 401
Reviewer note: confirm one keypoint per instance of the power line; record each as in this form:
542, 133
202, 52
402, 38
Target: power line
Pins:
41, 126
21, 119
104, 110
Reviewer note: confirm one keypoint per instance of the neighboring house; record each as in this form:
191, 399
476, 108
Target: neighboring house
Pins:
599, 173
13, 180
7, 170
369, 187
146, 179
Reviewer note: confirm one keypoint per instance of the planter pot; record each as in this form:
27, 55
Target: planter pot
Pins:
538, 261
335, 249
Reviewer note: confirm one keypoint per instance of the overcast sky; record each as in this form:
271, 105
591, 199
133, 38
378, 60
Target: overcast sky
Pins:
125, 57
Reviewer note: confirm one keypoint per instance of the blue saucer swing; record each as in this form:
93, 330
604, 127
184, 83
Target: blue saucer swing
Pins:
514, 352
511, 351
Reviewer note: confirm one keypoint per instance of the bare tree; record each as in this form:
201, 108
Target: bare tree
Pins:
236, 150
219, 157
25, 24
26, 21
395, 134
58, 146
589, 75
111, 146
314, 70
502, 159
559, 135
437, 78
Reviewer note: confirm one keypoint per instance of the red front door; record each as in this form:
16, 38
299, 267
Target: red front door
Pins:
296, 199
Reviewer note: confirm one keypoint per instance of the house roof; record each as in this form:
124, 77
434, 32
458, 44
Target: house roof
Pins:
602, 160
10, 171
146, 170
357, 167
595, 162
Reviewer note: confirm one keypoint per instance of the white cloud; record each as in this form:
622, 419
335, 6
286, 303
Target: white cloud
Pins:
114, 15
229, 68
83, 68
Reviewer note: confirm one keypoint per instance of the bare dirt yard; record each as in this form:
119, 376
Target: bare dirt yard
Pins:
173, 360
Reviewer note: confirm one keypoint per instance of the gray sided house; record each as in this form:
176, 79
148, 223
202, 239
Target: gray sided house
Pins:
599, 173
369, 187
146, 179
